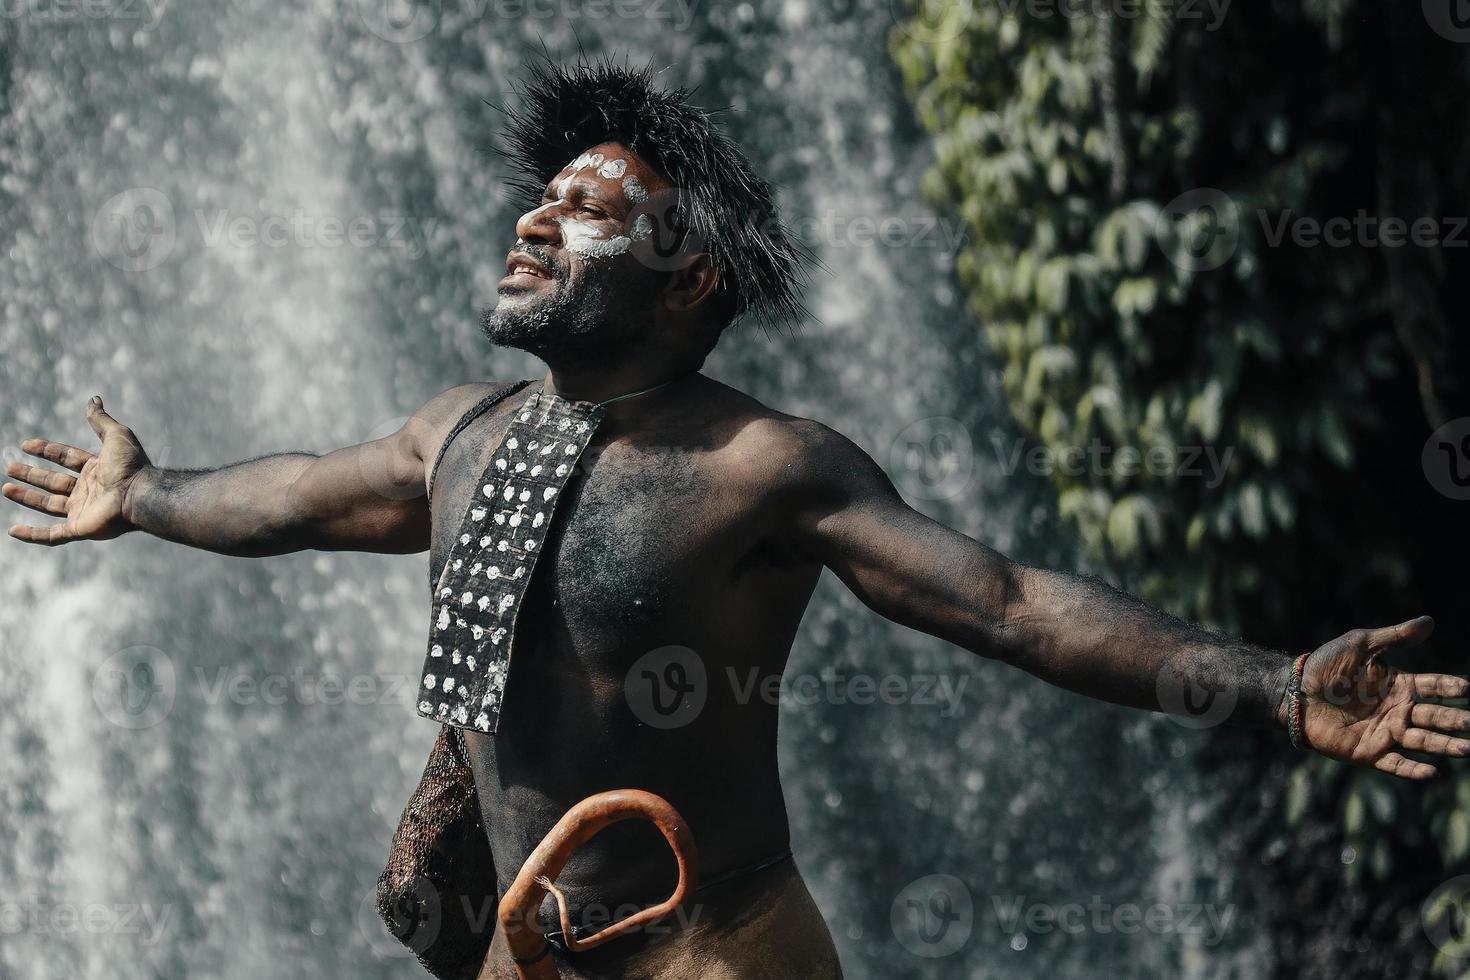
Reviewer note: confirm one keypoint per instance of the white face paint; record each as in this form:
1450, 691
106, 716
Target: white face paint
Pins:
587, 240
582, 237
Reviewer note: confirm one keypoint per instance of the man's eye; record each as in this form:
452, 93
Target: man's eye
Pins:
595, 212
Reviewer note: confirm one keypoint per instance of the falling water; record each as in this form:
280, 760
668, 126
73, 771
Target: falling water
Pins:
263, 226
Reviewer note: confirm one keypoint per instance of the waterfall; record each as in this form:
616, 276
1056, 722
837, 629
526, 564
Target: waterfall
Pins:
256, 227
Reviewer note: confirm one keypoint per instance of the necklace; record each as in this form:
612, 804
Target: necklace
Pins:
644, 391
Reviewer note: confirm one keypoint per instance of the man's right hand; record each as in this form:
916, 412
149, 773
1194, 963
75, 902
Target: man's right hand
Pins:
92, 500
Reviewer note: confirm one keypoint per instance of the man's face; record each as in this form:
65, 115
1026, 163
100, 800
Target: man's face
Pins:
574, 288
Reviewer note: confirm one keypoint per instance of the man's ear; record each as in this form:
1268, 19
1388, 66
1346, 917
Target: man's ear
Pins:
692, 285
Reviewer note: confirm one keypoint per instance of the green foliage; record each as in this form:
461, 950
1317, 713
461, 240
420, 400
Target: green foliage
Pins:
1112, 335
1078, 152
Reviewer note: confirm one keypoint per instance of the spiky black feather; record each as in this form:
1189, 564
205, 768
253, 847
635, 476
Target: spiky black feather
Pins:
564, 111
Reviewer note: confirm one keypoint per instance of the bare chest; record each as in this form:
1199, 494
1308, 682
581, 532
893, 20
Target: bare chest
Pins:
639, 536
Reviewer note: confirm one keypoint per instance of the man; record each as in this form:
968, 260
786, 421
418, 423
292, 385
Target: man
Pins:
626, 505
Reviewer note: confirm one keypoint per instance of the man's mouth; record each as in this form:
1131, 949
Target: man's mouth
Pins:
524, 269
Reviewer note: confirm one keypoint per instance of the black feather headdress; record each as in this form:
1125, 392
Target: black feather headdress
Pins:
564, 111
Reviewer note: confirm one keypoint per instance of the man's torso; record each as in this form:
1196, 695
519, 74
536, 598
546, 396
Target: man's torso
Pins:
670, 552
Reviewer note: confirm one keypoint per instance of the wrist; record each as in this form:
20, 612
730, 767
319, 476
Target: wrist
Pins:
135, 491
1280, 687
1293, 702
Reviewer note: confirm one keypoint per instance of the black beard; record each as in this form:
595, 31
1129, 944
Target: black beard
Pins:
604, 312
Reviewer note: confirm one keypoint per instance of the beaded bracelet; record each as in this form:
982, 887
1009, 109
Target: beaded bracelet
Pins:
1295, 705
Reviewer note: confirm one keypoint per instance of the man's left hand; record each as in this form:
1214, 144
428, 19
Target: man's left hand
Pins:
1358, 709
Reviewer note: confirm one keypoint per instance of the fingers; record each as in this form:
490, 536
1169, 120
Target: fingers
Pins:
1439, 686
97, 417
1403, 636
49, 536
37, 477
1440, 716
1419, 740
57, 452
46, 503
1396, 765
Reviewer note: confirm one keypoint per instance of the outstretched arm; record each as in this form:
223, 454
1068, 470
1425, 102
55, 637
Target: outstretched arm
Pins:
369, 497
1085, 636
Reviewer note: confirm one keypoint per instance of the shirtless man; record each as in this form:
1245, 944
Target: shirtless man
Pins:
697, 518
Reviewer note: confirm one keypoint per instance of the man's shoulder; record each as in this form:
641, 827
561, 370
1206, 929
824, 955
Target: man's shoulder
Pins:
786, 448
438, 416
452, 403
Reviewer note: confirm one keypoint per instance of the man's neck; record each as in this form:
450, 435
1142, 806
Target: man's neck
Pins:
599, 384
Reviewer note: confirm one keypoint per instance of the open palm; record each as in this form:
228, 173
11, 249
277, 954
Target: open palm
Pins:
91, 501
1360, 710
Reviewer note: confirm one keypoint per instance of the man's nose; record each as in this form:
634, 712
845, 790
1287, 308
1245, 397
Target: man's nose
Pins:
539, 226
